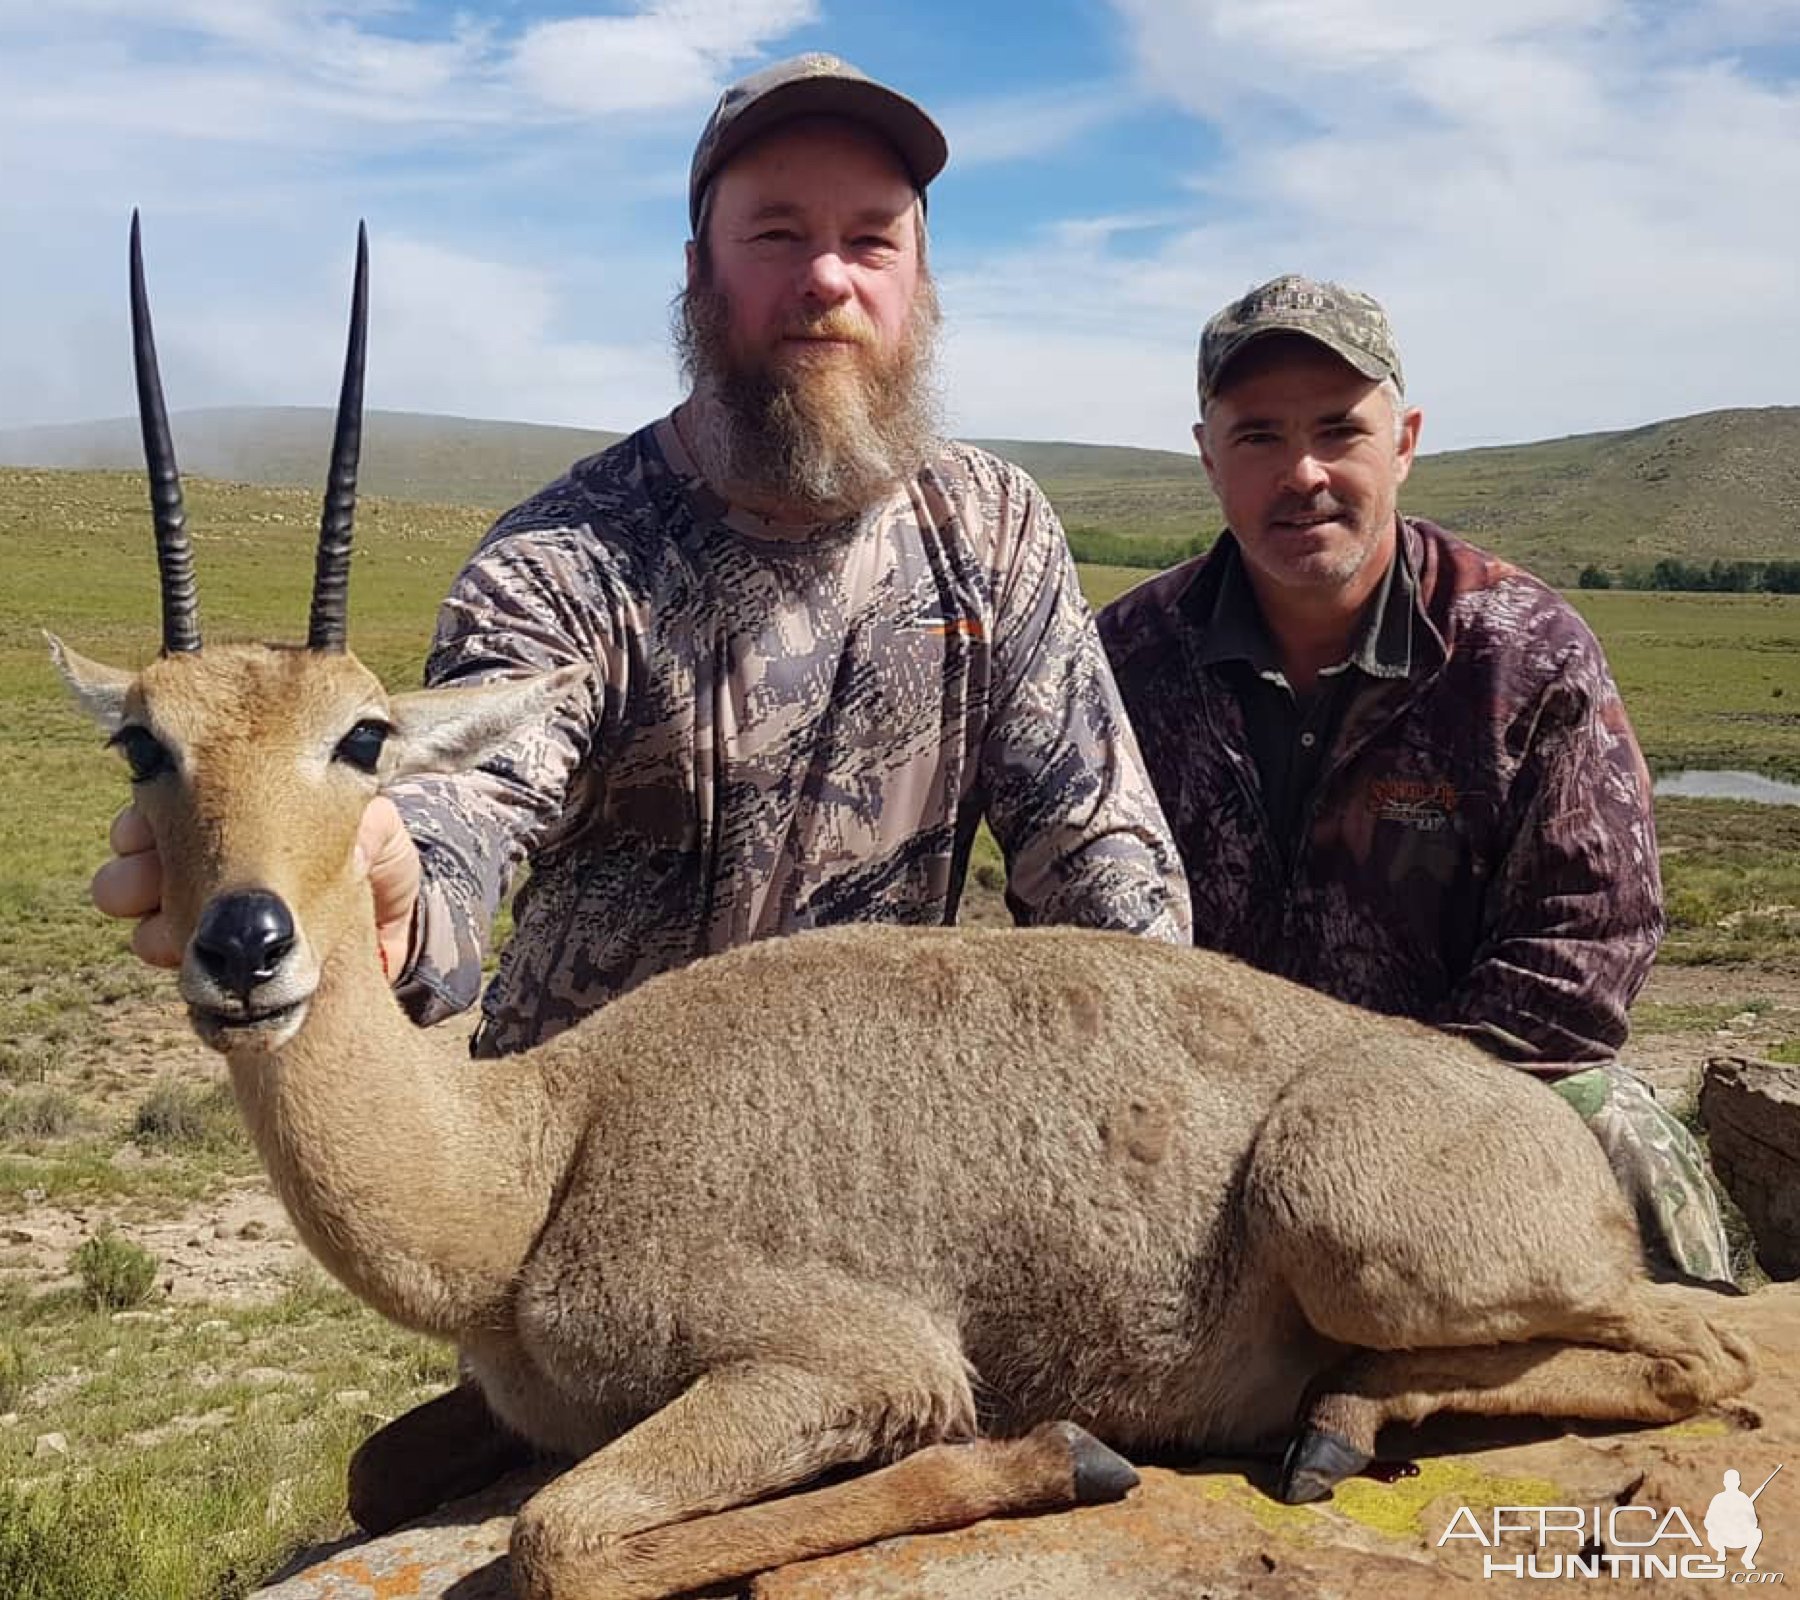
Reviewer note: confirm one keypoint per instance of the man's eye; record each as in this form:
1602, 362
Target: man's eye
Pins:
144, 753
361, 746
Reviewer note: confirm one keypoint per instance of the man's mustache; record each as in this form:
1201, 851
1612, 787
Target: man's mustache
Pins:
1290, 507
835, 324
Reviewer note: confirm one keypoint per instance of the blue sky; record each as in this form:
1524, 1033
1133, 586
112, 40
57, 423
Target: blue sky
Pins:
1581, 214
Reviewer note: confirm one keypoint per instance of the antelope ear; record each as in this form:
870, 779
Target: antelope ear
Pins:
99, 689
451, 730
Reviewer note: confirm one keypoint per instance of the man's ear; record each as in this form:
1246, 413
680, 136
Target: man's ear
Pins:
451, 730
99, 689
1406, 443
1206, 460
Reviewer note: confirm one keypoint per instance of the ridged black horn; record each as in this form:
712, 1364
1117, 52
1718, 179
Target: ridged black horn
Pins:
174, 551
331, 572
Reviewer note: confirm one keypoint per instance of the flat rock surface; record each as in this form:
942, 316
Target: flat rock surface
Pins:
1210, 1531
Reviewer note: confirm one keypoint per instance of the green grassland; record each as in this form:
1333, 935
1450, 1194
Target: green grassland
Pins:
1708, 684
184, 1477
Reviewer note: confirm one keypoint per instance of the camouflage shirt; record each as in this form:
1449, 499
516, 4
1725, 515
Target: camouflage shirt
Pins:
787, 728
1478, 850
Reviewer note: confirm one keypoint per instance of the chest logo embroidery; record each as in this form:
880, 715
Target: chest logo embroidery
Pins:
1424, 803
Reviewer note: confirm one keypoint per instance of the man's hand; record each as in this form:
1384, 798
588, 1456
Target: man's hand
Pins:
130, 885
385, 851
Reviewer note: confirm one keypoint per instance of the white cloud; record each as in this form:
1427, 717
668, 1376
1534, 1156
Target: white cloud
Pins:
1010, 381
253, 133
669, 54
1005, 128
1579, 212
1574, 224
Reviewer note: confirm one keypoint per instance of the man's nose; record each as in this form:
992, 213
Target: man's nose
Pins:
1304, 473
826, 280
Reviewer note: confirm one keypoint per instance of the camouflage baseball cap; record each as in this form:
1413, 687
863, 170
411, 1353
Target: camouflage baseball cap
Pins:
1348, 323
816, 85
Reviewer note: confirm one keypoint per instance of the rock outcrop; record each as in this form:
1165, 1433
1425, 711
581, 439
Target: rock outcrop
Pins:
1210, 1528
1752, 1114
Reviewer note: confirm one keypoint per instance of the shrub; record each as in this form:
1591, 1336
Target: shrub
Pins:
176, 1115
114, 1272
1692, 908
36, 1114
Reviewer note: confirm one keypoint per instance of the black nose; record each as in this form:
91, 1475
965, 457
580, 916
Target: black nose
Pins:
242, 939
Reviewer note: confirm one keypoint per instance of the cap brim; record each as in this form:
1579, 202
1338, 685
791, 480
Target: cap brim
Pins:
918, 141
1370, 366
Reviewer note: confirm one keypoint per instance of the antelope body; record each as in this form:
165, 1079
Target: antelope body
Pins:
967, 1202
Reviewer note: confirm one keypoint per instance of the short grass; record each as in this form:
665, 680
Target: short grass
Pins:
1731, 882
1711, 681
170, 1453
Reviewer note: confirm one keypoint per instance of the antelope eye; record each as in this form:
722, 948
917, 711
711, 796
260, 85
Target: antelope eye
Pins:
144, 753
361, 746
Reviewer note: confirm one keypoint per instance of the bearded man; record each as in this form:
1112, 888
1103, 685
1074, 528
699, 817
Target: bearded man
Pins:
824, 643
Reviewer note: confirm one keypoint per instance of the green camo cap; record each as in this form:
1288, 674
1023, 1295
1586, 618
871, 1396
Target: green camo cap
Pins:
1348, 323
816, 85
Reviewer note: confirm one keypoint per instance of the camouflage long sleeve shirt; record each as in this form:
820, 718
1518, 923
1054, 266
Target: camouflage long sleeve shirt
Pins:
786, 728
1479, 850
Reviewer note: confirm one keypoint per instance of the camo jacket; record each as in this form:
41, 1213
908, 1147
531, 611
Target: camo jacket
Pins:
785, 728
1479, 850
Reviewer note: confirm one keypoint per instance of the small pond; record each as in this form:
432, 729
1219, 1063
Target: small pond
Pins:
1726, 785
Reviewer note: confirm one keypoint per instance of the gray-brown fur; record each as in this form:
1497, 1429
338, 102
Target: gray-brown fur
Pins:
837, 1197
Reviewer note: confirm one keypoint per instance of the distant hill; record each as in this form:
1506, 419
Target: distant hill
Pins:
405, 456
1723, 484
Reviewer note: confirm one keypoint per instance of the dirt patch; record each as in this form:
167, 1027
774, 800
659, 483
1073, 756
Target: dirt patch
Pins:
1687, 1014
235, 1246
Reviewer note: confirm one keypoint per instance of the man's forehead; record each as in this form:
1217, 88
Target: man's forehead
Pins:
796, 161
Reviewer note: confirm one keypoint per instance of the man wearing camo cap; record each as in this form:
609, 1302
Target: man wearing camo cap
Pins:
825, 642
1397, 767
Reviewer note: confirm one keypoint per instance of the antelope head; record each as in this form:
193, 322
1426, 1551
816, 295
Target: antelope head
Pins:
253, 763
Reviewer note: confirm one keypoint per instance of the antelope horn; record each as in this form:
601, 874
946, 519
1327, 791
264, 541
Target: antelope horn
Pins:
174, 551
331, 571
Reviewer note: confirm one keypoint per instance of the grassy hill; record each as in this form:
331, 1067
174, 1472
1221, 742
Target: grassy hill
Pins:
405, 456
1723, 484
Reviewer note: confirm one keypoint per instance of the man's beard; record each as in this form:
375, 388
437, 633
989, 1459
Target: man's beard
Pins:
829, 435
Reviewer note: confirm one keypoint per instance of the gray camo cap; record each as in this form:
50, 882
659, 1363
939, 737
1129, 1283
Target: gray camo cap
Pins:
1348, 323
816, 85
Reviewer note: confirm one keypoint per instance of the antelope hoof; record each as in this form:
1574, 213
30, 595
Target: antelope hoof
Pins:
1316, 1462
1100, 1475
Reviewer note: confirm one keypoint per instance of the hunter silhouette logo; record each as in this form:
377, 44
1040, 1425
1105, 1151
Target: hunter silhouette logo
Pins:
1731, 1520
1621, 1541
